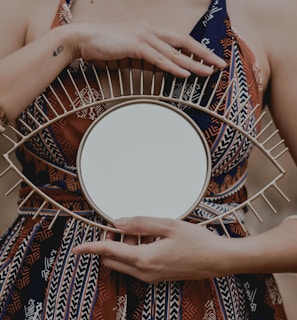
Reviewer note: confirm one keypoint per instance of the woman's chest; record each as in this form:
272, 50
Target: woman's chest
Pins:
178, 16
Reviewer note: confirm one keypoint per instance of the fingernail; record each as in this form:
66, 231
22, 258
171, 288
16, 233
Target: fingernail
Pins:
75, 250
187, 74
121, 222
223, 63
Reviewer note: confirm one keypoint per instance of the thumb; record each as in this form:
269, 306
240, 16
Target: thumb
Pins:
140, 225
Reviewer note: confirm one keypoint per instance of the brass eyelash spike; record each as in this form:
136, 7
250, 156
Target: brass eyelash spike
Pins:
149, 85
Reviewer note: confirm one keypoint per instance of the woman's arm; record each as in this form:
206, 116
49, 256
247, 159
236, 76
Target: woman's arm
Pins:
27, 71
27, 68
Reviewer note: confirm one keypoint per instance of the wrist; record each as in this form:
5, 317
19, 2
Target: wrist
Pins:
268, 252
235, 256
224, 257
77, 38
67, 37
245, 255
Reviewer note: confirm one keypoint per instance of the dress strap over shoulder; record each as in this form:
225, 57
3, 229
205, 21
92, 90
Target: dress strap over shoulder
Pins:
213, 27
70, 2
221, 3
63, 13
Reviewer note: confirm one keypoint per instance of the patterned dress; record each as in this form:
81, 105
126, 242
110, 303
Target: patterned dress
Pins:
39, 276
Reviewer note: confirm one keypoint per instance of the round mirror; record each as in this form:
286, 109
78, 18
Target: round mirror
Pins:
143, 158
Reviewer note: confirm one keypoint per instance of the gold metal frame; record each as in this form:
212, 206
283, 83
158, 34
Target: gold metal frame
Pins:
160, 104
132, 89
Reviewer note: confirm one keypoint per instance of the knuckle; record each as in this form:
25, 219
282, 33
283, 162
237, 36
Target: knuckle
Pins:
176, 53
144, 264
143, 28
172, 224
137, 54
185, 41
106, 252
148, 278
105, 261
160, 59
137, 223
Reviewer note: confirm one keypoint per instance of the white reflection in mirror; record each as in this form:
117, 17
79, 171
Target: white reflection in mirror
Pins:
143, 158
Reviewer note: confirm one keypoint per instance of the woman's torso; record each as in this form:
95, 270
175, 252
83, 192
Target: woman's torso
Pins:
53, 152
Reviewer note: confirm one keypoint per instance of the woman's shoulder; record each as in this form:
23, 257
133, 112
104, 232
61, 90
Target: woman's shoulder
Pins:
22, 21
277, 24
272, 23
13, 25
41, 17
273, 14
269, 27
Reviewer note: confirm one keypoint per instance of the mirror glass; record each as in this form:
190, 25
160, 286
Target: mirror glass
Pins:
143, 158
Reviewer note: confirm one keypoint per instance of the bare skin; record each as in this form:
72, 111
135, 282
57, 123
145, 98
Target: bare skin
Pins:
189, 252
27, 47
87, 39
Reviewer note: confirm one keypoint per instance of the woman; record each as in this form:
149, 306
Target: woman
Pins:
190, 272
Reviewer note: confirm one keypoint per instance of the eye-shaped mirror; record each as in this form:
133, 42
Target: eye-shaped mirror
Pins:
169, 178
143, 158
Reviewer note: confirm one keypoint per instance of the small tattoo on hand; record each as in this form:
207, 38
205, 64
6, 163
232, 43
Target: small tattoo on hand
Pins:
58, 51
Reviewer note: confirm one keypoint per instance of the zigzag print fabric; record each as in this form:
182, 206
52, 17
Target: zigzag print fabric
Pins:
40, 279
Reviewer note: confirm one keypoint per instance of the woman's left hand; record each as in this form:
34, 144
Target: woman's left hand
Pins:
181, 250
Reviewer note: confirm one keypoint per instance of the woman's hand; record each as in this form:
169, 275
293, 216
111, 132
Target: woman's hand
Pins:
45, 57
182, 250
162, 48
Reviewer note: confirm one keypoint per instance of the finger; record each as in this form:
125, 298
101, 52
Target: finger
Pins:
201, 52
174, 59
192, 46
113, 250
147, 239
117, 256
132, 270
107, 234
136, 240
131, 239
161, 61
122, 267
149, 226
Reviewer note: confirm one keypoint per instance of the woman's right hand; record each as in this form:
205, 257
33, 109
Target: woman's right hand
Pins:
46, 56
167, 50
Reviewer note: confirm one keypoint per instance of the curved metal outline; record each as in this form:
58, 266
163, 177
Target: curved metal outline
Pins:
160, 104
152, 97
